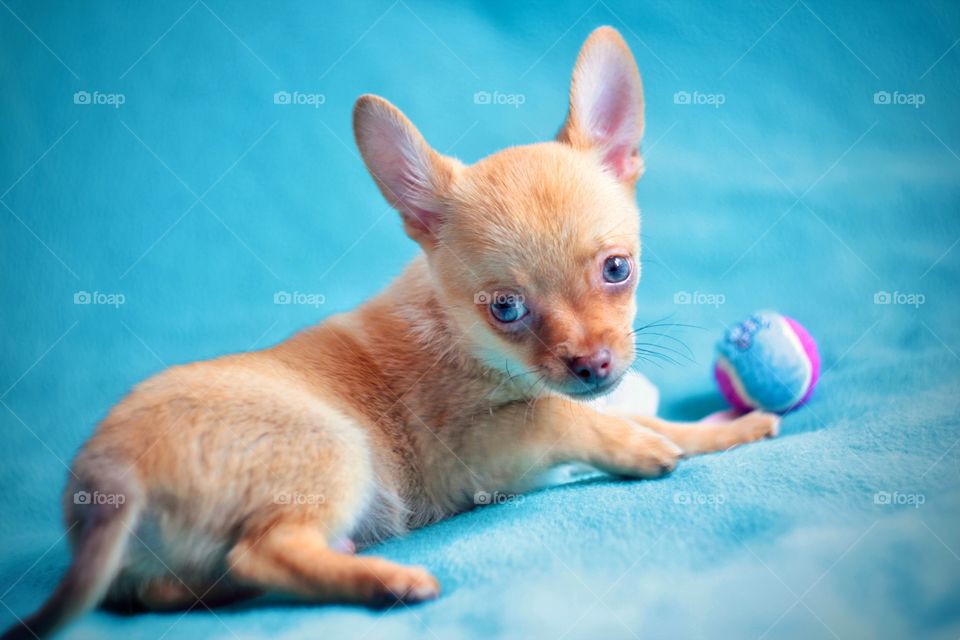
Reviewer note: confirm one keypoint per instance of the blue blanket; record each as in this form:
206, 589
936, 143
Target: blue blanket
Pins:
170, 171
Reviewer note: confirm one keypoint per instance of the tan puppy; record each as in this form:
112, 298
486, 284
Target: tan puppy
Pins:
253, 472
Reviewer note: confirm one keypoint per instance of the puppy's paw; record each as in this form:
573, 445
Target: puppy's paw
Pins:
756, 425
651, 455
408, 585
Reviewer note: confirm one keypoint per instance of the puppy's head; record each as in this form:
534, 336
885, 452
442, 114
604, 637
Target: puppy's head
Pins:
535, 250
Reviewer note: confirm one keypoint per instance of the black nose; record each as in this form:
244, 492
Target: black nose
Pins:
593, 368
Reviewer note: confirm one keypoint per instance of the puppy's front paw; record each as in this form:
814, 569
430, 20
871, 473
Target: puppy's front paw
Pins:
408, 585
756, 425
650, 455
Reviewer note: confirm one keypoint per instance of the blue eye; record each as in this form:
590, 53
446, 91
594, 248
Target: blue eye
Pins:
508, 308
616, 269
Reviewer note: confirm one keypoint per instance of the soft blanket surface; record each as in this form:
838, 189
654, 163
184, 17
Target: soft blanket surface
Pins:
802, 156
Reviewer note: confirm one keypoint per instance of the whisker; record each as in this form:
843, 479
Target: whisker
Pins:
522, 373
661, 323
667, 324
535, 383
640, 358
659, 356
531, 403
662, 335
667, 317
651, 345
509, 378
650, 352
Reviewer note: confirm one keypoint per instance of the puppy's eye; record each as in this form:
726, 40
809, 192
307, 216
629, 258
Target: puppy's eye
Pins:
616, 269
508, 308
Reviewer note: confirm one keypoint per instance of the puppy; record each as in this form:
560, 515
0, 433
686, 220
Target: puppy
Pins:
258, 472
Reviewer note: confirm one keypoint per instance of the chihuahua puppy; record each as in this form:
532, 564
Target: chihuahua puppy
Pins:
259, 472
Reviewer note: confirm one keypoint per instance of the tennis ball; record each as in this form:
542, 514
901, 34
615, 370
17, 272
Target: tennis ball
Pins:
767, 361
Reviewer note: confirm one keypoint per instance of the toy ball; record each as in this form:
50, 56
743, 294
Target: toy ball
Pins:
768, 361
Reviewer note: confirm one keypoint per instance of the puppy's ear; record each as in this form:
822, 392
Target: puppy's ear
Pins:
606, 105
411, 175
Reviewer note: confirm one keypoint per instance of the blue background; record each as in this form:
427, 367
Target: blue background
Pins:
200, 198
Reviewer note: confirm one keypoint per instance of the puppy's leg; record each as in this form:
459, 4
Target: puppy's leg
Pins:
295, 558
705, 437
553, 430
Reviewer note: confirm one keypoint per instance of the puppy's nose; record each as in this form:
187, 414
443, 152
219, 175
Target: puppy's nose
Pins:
592, 368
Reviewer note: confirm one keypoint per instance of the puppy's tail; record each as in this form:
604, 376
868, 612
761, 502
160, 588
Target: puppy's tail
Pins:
105, 521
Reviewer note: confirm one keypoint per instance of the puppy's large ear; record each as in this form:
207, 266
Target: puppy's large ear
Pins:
411, 175
606, 105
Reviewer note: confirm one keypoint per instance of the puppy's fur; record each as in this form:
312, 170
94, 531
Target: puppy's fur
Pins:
257, 472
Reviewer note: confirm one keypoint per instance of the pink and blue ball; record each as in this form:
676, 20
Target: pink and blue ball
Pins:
767, 361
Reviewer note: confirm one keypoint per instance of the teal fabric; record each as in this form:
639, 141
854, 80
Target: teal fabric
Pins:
802, 156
